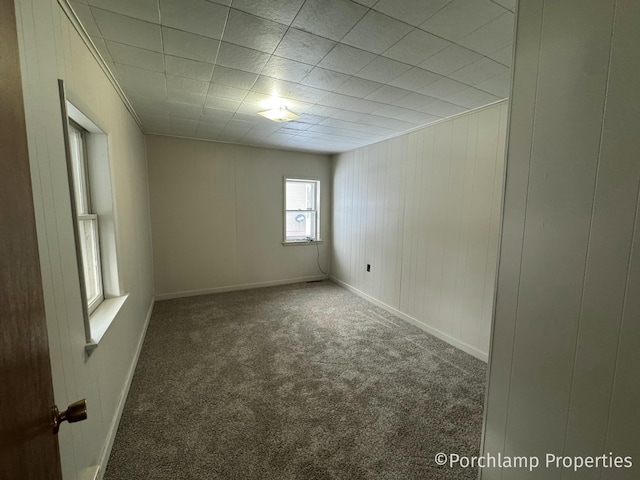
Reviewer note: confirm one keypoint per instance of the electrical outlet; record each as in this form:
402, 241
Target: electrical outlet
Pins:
368, 267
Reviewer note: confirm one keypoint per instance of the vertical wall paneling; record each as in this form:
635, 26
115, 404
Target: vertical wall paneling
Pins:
217, 216
564, 360
50, 48
423, 210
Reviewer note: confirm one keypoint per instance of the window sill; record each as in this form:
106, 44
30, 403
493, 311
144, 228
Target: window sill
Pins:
101, 320
302, 242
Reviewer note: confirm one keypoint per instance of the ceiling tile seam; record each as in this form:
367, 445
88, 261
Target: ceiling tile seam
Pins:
215, 60
480, 27
164, 67
508, 9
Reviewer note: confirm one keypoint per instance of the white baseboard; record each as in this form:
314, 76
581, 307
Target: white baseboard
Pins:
247, 286
414, 321
113, 429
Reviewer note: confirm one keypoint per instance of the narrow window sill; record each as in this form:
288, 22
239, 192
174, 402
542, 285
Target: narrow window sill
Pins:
102, 318
302, 243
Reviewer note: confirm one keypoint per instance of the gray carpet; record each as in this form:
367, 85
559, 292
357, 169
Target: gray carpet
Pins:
304, 381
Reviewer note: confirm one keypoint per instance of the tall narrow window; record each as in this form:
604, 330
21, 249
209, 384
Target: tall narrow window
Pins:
87, 220
302, 210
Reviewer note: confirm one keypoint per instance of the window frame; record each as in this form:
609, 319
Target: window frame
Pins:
317, 238
83, 212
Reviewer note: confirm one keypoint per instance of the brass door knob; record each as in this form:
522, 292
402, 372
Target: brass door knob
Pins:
76, 412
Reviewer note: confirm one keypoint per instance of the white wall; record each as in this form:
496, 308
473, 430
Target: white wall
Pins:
564, 370
217, 216
51, 48
423, 209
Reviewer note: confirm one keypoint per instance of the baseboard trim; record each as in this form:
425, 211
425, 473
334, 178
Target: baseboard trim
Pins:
113, 429
246, 286
414, 321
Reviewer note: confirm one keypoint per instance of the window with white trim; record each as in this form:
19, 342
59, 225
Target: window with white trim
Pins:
301, 210
88, 235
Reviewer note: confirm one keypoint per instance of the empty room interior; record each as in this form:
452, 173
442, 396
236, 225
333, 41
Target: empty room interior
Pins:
316, 239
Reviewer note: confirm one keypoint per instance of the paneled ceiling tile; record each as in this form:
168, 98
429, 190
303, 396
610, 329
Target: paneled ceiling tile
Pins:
413, 101
303, 47
471, 98
253, 32
376, 32
346, 59
233, 78
284, 69
86, 18
478, 72
492, 37
146, 10
440, 108
138, 77
329, 18
222, 104
188, 45
509, 4
134, 56
272, 86
185, 96
299, 99
498, 86
240, 118
128, 30
359, 87
207, 132
241, 58
416, 47
101, 45
336, 100
366, 3
281, 11
390, 111
324, 79
179, 110
387, 94
215, 115
450, 59
415, 79
420, 118
297, 125
183, 67
323, 111
388, 122
383, 70
256, 98
187, 84
503, 56
461, 17
365, 106
413, 12
195, 16
249, 108
225, 91
348, 116
313, 119
442, 88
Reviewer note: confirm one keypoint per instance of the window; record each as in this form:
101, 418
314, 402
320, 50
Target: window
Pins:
88, 236
94, 221
301, 210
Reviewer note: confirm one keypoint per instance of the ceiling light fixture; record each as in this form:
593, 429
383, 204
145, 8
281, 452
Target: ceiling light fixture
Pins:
279, 114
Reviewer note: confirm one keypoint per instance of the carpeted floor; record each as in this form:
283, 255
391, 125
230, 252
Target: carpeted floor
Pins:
304, 381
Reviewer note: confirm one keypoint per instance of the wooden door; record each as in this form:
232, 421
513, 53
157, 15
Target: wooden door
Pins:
28, 448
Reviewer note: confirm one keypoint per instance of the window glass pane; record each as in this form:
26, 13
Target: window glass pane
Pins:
88, 232
76, 142
300, 225
301, 195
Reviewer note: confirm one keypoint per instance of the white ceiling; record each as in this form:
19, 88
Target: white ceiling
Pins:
355, 71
